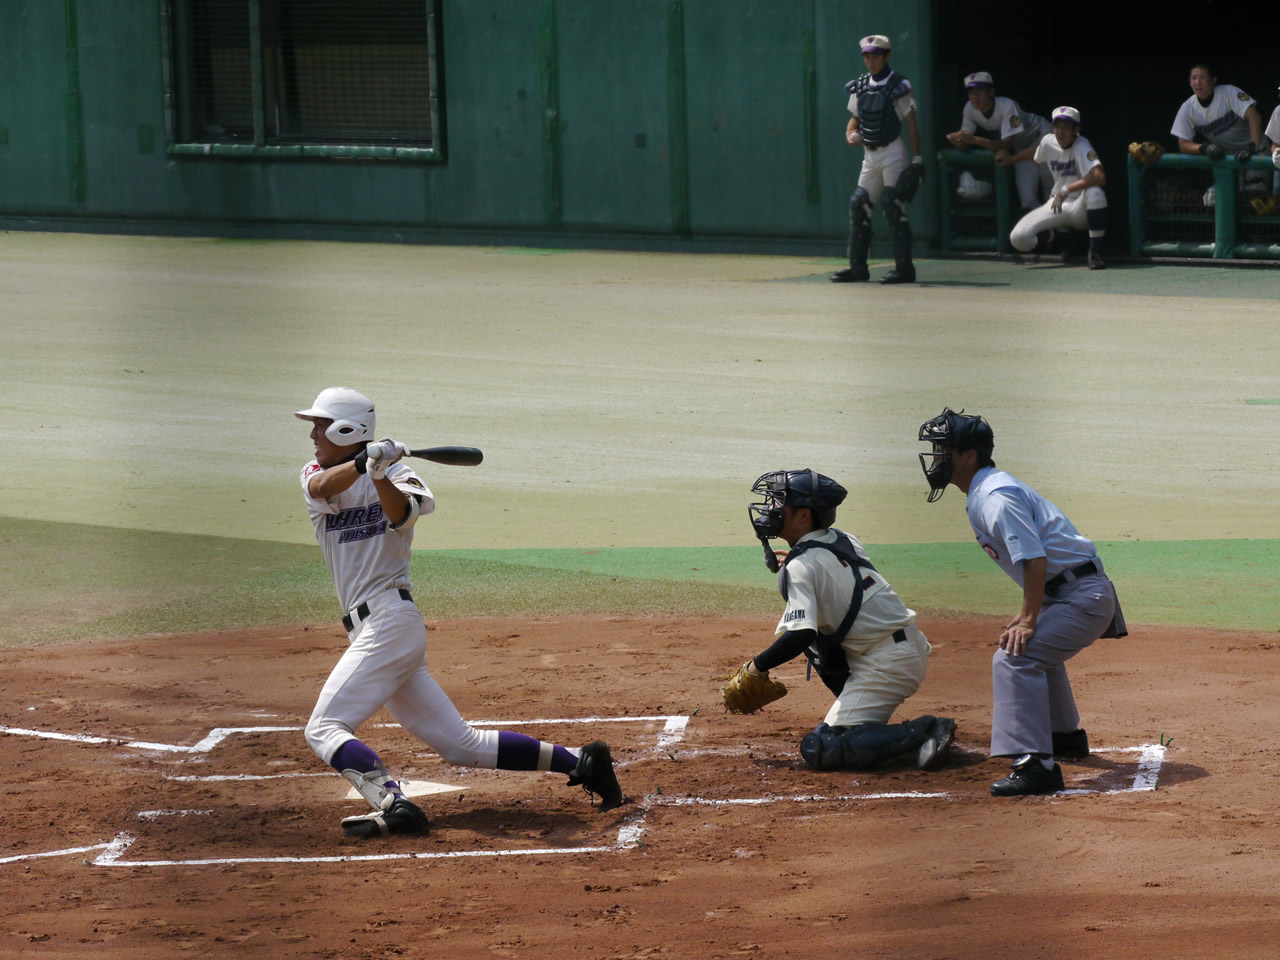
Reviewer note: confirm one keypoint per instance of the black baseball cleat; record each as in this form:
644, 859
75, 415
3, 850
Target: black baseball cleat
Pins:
595, 773
1071, 745
400, 817
1029, 777
933, 752
899, 276
1095, 260
851, 275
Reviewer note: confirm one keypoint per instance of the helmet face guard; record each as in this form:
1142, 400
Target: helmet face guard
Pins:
951, 432
794, 488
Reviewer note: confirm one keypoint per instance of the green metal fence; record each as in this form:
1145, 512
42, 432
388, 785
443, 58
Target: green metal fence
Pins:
977, 224
1190, 206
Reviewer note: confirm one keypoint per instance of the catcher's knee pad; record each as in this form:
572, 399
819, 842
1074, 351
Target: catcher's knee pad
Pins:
860, 207
895, 210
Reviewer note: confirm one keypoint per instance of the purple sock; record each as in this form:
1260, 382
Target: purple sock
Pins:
354, 755
519, 752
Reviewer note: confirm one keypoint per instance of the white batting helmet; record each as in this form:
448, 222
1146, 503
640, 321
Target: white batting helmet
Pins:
350, 410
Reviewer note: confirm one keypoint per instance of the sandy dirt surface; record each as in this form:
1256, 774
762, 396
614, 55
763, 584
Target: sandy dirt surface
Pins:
128, 842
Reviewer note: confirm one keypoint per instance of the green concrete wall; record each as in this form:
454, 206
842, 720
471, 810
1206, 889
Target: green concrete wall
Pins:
651, 119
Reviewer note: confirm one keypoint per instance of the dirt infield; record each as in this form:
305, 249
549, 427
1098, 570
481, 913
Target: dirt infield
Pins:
157, 826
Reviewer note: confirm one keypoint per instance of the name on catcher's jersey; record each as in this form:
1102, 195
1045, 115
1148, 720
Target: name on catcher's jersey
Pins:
1221, 122
820, 589
1013, 523
1070, 164
365, 554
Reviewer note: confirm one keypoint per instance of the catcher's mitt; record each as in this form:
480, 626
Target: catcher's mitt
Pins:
745, 693
909, 182
1146, 153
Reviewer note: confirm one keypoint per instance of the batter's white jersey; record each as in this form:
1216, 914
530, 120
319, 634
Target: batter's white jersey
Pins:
1007, 119
365, 553
1067, 165
820, 589
1221, 122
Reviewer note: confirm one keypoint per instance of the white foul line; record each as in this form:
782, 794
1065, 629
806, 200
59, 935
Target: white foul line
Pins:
54, 853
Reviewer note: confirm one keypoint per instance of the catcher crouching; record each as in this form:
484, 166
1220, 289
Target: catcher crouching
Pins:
851, 625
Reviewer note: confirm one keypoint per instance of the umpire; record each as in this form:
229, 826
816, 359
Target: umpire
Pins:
881, 104
1067, 602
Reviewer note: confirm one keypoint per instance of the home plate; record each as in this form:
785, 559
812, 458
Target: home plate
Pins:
412, 788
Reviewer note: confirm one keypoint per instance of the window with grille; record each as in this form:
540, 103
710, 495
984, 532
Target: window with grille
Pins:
305, 77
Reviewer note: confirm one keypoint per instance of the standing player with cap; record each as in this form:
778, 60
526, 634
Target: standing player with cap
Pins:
1224, 119
843, 615
1067, 602
1078, 201
1000, 125
364, 510
881, 105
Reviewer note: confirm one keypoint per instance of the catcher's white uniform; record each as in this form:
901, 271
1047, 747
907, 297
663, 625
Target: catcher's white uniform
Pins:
882, 167
385, 664
1067, 166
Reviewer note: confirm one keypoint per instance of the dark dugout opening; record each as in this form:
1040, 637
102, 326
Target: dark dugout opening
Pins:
1125, 66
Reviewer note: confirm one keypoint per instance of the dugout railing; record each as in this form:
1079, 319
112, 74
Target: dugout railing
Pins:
980, 222
1190, 206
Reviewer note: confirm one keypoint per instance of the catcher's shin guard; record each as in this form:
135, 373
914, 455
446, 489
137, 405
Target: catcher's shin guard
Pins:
904, 270
862, 745
859, 229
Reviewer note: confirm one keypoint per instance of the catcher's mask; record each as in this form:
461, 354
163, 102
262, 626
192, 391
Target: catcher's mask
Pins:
951, 432
793, 488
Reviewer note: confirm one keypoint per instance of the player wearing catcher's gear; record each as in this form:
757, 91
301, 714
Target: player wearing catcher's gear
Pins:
1067, 602
1000, 125
1077, 202
842, 614
364, 511
881, 106
1218, 120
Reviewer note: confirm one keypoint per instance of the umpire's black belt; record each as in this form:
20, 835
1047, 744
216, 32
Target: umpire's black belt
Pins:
362, 611
1075, 573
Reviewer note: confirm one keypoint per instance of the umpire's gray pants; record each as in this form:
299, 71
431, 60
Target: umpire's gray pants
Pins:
1031, 693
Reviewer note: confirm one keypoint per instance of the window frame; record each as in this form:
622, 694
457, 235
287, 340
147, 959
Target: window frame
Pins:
260, 149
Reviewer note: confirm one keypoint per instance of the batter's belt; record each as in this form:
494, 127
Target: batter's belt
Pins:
361, 612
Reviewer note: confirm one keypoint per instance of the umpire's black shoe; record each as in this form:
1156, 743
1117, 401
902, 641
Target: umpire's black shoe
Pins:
899, 276
1028, 777
1095, 260
933, 752
595, 772
400, 816
851, 275
1071, 745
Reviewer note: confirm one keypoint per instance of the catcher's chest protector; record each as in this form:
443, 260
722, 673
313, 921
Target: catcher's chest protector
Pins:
842, 549
878, 120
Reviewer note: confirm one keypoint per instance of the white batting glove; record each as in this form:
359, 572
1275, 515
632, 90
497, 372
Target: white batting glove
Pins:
1059, 198
387, 452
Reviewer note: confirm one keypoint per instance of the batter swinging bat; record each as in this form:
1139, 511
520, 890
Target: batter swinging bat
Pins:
454, 456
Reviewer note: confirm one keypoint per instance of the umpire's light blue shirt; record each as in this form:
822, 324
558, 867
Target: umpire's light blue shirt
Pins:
1013, 523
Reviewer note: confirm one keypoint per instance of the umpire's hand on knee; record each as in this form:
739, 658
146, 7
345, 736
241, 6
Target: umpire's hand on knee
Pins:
1013, 640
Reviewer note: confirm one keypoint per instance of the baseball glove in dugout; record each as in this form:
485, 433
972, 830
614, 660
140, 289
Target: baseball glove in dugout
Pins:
1146, 153
747, 693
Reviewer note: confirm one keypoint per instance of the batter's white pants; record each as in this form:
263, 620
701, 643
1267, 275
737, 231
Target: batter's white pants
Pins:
385, 665
1073, 217
881, 676
1031, 694
881, 168
1034, 180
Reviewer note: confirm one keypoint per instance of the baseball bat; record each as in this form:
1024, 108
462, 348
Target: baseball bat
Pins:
454, 456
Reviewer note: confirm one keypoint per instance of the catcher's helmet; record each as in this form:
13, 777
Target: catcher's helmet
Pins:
951, 432
793, 488
351, 412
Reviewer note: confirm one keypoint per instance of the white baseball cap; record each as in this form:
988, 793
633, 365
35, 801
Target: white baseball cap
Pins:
876, 43
979, 79
1067, 113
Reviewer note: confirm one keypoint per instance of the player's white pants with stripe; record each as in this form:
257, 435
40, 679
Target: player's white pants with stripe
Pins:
1031, 694
1033, 180
881, 677
385, 665
1073, 217
881, 168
